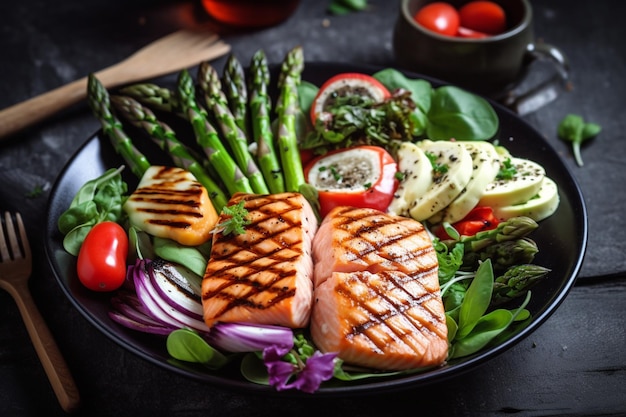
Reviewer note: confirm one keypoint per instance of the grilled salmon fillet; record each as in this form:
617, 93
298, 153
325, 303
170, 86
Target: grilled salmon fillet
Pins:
265, 274
358, 239
377, 297
169, 202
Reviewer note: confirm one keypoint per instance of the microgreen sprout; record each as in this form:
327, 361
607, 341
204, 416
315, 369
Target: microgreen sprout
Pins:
573, 128
507, 170
236, 222
439, 169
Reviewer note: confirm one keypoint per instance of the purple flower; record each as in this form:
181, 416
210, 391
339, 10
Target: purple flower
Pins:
306, 376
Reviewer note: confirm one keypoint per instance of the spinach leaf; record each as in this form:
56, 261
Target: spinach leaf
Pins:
306, 94
421, 90
456, 113
188, 346
477, 299
493, 326
192, 257
253, 369
486, 328
343, 375
452, 327
96, 201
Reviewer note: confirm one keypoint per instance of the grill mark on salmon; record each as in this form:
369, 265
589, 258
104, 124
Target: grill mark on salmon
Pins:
370, 240
377, 297
396, 295
265, 274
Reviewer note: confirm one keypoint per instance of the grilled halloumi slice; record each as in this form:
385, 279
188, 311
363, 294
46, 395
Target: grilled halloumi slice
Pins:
170, 203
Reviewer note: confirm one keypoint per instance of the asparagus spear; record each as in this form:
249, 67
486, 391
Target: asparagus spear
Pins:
208, 139
153, 96
287, 109
143, 118
99, 102
260, 107
215, 100
236, 91
516, 281
503, 254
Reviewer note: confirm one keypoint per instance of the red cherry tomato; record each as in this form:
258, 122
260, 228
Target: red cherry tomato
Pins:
478, 219
469, 33
361, 176
483, 16
101, 264
346, 84
439, 17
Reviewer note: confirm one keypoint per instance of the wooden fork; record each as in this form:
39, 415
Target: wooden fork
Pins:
15, 269
171, 53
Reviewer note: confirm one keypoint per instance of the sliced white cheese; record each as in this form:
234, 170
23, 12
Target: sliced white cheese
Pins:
417, 177
524, 184
446, 186
539, 207
169, 202
485, 167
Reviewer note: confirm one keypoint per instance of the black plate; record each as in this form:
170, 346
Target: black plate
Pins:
561, 238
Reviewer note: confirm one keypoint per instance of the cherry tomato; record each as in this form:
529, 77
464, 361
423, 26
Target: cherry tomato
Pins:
101, 264
478, 219
346, 84
469, 33
439, 17
361, 176
483, 16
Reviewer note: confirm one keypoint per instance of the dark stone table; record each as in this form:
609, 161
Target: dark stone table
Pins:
573, 365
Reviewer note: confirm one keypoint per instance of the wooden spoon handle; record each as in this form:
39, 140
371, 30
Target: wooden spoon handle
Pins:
49, 354
36, 109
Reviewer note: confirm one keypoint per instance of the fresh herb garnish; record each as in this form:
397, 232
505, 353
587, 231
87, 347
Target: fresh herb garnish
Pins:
356, 120
573, 128
236, 222
507, 170
439, 169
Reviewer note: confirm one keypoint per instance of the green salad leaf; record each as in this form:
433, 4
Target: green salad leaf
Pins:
187, 345
98, 200
456, 113
195, 258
